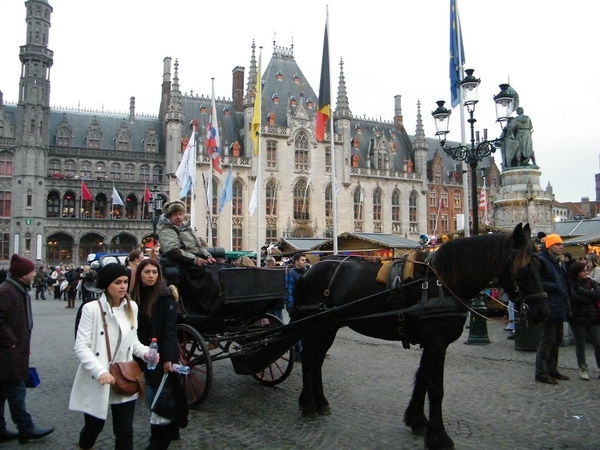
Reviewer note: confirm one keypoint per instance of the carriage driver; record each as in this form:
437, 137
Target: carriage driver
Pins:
178, 241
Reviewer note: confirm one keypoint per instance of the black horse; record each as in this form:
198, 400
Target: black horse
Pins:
427, 307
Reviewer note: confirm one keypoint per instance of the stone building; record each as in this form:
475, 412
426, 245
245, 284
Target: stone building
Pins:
50, 158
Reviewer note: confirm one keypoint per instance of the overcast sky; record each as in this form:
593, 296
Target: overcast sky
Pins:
105, 52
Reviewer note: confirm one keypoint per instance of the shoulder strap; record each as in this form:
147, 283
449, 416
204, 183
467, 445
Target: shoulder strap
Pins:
105, 331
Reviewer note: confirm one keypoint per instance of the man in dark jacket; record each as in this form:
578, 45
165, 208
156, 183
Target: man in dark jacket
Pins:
16, 323
555, 284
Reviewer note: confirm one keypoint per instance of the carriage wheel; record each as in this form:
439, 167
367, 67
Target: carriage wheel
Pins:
193, 352
278, 371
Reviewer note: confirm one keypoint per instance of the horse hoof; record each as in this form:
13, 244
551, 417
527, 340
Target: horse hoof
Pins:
324, 410
419, 430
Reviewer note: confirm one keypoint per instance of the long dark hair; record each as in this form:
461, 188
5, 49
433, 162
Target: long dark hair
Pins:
151, 299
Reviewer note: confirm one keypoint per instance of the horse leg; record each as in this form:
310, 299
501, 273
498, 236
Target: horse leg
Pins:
312, 399
433, 358
414, 416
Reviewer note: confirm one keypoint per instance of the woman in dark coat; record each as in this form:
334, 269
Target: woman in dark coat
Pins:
585, 293
157, 318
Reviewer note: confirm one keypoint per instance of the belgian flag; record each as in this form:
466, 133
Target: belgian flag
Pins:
324, 111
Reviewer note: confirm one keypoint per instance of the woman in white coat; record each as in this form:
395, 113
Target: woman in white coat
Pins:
91, 393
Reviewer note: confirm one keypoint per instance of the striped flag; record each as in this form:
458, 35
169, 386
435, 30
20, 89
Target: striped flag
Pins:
324, 111
213, 141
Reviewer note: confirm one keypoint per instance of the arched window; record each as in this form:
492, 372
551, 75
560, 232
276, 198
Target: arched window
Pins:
53, 204
129, 172
271, 154
68, 207
328, 201
237, 199
145, 173
100, 172
377, 195
328, 159
54, 167
359, 198
301, 200
100, 206
157, 174
301, 159
413, 213
396, 205
271, 198
63, 137
115, 171
86, 169
70, 168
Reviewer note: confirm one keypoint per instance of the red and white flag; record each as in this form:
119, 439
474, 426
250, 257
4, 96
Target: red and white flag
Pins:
213, 141
482, 200
147, 195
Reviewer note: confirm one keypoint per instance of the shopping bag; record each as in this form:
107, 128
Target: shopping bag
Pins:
170, 401
34, 379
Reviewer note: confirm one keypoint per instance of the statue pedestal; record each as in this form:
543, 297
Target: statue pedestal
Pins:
522, 199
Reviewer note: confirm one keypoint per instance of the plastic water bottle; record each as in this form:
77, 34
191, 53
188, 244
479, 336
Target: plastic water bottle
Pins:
180, 368
152, 354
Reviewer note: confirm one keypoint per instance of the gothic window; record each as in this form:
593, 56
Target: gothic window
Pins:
444, 223
301, 200
6, 164
396, 205
328, 201
151, 143
4, 246
53, 204
271, 198
437, 174
301, 152
129, 172
93, 139
63, 137
433, 223
145, 173
100, 206
432, 199
100, 172
122, 141
5, 199
237, 234
68, 206
456, 200
377, 195
412, 212
237, 199
86, 169
358, 198
70, 168
271, 154
443, 199
115, 171
157, 174
328, 159
54, 167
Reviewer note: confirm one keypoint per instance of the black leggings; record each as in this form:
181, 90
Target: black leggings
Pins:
122, 417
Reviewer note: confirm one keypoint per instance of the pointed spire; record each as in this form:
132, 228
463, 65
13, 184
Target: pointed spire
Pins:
175, 105
342, 107
419, 143
252, 74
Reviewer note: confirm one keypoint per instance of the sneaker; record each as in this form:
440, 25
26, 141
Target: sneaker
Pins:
583, 374
545, 378
559, 376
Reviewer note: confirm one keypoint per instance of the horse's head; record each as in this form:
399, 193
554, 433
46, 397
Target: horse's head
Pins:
521, 279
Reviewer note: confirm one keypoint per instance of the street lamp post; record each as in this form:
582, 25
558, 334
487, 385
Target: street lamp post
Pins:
475, 153
472, 155
156, 202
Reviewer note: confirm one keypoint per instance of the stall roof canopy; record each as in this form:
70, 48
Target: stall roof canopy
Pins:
367, 242
588, 239
577, 227
294, 245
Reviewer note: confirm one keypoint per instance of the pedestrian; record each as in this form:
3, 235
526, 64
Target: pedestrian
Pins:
593, 266
295, 272
585, 293
91, 392
16, 323
157, 318
155, 252
555, 284
39, 282
133, 261
72, 278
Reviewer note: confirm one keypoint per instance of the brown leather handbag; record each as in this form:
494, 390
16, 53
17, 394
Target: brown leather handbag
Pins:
128, 375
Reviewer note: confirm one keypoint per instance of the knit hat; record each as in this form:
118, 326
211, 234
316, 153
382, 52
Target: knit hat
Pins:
110, 273
553, 239
173, 207
20, 266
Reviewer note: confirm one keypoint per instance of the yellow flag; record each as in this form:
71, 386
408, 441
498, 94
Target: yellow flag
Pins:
257, 108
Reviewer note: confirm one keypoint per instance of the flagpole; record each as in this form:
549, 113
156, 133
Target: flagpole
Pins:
193, 186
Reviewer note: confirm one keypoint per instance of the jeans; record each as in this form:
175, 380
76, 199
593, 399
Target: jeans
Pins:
14, 392
40, 290
579, 332
546, 360
122, 416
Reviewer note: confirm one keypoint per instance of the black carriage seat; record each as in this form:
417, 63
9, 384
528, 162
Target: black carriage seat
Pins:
197, 286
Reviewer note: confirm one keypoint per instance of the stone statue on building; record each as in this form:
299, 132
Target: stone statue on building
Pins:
517, 146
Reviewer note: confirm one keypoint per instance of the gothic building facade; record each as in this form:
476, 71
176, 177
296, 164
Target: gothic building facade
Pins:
52, 159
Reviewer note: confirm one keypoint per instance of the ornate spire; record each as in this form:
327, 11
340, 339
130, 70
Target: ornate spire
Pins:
252, 74
419, 143
175, 106
342, 108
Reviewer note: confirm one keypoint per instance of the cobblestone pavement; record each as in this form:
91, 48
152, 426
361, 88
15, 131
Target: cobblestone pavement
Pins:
491, 399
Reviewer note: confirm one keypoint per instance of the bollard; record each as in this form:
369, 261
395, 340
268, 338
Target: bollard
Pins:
478, 333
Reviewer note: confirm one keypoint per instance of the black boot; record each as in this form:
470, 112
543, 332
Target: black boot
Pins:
160, 437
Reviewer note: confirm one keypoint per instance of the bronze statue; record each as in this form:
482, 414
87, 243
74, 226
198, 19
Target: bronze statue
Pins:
517, 148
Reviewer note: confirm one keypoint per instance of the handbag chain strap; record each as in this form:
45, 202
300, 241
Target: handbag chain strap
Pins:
105, 325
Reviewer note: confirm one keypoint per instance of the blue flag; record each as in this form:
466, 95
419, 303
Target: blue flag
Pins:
457, 54
227, 193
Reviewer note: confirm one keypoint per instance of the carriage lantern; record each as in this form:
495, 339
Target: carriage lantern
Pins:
475, 153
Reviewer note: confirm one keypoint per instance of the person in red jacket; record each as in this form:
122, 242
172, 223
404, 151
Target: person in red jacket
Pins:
16, 322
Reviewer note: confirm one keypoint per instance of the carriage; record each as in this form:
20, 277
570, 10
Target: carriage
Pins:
237, 327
